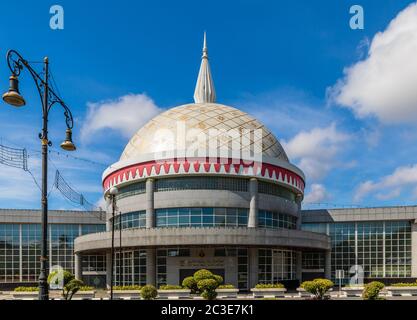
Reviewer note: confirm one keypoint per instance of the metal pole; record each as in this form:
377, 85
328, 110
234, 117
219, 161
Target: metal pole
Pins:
43, 276
120, 249
112, 248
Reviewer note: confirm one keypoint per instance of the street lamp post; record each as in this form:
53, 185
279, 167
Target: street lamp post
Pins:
48, 98
112, 194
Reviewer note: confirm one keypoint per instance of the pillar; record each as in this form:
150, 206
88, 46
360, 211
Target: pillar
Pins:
299, 266
150, 212
253, 267
151, 267
108, 269
78, 267
414, 249
298, 201
328, 264
253, 206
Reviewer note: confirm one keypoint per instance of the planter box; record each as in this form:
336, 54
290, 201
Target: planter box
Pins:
174, 294
84, 295
302, 293
227, 293
398, 291
353, 291
268, 293
25, 295
125, 294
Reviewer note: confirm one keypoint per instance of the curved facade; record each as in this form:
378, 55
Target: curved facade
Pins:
204, 185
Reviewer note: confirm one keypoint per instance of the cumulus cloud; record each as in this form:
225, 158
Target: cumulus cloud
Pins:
390, 186
125, 115
316, 150
317, 193
383, 84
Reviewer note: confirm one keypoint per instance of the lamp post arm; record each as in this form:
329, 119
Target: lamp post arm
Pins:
17, 63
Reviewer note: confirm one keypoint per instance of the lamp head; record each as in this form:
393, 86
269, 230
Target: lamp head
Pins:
114, 191
68, 145
13, 96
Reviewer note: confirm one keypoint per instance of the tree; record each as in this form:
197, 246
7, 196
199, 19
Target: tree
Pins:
70, 285
318, 287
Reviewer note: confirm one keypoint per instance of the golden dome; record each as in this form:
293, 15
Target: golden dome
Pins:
162, 132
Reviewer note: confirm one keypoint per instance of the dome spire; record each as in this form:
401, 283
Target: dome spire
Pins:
204, 90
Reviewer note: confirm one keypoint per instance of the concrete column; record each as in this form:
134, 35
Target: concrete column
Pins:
78, 267
150, 212
253, 206
413, 249
298, 200
108, 269
253, 267
151, 266
299, 265
328, 264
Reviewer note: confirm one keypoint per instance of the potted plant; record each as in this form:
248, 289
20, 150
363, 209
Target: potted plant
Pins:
227, 291
123, 292
269, 290
26, 293
398, 289
173, 292
319, 288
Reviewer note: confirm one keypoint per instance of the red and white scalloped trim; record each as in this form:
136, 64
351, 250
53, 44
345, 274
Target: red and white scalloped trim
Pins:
179, 167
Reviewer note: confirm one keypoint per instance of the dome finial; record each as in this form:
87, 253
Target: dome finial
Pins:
204, 90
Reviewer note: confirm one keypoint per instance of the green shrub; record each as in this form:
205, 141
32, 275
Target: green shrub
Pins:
226, 286
371, 290
71, 285
26, 289
170, 287
127, 288
318, 287
404, 284
208, 288
86, 288
209, 295
148, 292
68, 276
219, 279
190, 283
270, 286
203, 274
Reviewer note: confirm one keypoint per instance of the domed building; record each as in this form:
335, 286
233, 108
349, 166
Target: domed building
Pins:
204, 185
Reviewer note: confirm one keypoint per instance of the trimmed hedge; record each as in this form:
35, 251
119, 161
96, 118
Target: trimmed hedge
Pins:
170, 287
26, 289
226, 286
270, 286
127, 288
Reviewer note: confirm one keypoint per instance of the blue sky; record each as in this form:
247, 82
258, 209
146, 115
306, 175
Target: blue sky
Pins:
351, 130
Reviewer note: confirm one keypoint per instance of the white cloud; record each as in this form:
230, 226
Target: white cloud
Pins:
316, 150
384, 84
390, 186
126, 114
317, 193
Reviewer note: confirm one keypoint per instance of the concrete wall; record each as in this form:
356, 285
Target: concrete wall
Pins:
54, 216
